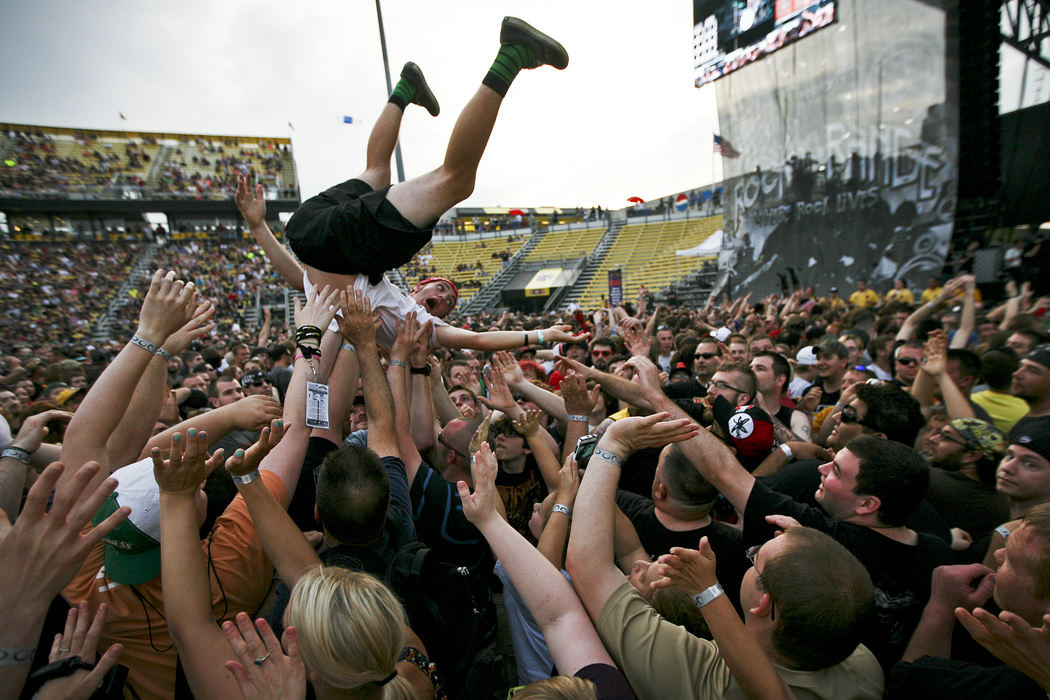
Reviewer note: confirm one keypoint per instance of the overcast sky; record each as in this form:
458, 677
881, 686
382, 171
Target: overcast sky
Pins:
622, 120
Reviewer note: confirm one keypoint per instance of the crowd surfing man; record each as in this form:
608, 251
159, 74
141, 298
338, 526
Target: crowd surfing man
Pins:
350, 234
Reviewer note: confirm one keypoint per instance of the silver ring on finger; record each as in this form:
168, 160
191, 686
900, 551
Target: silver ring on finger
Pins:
64, 650
259, 659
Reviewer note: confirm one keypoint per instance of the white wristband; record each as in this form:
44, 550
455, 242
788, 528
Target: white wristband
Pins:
786, 449
609, 456
144, 344
579, 418
245, 478
559, 508
707, 595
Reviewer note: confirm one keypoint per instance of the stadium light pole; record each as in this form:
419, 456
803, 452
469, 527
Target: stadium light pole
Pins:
389, 89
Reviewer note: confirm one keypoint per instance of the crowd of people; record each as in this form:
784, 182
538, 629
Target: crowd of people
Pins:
902, 447
795, 496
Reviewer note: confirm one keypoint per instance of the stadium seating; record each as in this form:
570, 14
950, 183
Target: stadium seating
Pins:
566, 245
38, 160
56, 291
459, 260
646, 254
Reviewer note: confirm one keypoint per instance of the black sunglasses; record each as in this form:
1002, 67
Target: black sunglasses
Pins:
909, 361
706, 355
441, 439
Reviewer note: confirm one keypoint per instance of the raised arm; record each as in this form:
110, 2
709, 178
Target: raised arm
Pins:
184, 569
620, 387
283, 542
18, 456
169, 304
528, 424
570, 636
136, 426
579, 404
41, 553
933, 374
965, 586
253, 209
707, 453
358, 326
692, 571
966, 322
555, 534
591, 560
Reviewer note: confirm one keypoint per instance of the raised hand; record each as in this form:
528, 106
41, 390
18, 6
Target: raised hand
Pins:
579, 401
255, 412
34, 429
199, 324
319, 310
480, 507
562, 334
358, 322
528, 423
568, 481
688, 570
634, 337
629, 435
44, 549
246, 461
407, 329
509, 366
935, 355
499, 398
648, 375
182, 473
1012, 640
81, 641
168, 305
262, 670
253, 208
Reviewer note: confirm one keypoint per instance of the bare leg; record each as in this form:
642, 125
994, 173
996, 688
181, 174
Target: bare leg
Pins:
381, 144
423, 199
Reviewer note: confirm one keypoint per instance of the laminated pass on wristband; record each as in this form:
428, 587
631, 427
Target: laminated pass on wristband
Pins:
317, 405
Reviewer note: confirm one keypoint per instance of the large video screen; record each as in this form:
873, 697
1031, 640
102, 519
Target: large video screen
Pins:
729, 34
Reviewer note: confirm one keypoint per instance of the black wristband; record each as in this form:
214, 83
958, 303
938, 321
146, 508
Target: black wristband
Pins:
424, 370
57, 669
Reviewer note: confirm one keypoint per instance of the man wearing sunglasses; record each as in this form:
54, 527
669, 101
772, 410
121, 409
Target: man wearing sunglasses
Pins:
906, 362
602, 350
706, 360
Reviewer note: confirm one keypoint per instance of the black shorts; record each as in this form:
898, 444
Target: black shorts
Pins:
352, 229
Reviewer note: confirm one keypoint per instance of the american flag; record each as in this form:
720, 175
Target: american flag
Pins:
725, 148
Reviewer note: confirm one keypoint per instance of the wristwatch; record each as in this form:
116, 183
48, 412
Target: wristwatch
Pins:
707, 595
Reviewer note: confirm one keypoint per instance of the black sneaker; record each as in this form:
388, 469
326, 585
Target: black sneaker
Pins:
424, 97
545, 50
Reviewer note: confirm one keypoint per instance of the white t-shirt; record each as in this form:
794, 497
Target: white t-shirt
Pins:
392, 303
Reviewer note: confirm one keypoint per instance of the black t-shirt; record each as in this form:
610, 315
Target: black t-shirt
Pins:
900, 572
933, 677
726, 542
800, 481
966, 503
828, 398
519, 492
609, 682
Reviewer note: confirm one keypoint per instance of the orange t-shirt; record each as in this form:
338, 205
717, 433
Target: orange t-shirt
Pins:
137, 621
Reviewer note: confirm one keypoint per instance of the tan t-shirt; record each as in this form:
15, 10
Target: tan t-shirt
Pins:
137, 621
663, 660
